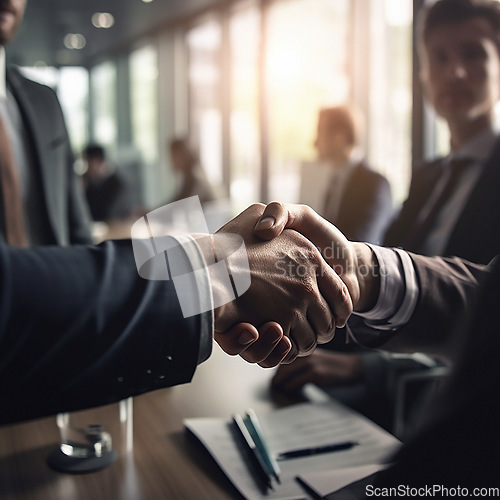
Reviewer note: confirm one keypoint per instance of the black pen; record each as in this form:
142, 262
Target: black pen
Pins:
255, 458
304, 452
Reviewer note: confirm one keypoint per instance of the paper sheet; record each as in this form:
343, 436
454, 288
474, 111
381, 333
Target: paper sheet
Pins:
326, 482
298, 426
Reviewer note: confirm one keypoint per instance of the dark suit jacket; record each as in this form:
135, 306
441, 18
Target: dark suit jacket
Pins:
80, 328
448, 288
474, 236
456, 444
62, 214
366, 206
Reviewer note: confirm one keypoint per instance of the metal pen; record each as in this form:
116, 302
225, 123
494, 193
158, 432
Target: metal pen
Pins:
255, 458
255, 429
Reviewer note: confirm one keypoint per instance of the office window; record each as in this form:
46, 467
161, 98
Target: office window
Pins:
390, 92
244, 113
144, 117
73, 90
103, 88
46, 75
306, 69
204, 83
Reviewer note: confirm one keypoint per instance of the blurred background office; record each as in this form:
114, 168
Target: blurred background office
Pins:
242, 80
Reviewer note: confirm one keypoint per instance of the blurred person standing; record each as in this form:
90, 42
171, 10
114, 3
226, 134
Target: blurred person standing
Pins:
107, 192
452, 208
453, 203
358, 199
194, 180
42, 201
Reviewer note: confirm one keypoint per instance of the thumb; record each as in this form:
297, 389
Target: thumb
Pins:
272, 222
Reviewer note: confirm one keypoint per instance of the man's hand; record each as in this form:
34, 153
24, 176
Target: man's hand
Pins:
323, 368
353, 262
292, 285
266, 346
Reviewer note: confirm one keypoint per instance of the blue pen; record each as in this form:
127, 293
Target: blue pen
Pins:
256, 461
255, 429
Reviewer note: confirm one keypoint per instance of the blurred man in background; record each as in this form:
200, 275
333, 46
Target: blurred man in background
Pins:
358, 199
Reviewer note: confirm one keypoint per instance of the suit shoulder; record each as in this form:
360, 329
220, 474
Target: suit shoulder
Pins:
371, 175
18, 80
424, 167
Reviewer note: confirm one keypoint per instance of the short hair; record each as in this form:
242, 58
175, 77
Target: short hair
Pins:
456, 11
342, 118
182, 144
178, 143
94, 151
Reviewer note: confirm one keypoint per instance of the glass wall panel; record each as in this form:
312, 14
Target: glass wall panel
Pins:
144, 118
390, 95
73, 92
103, 87
244, 119
204, 81
306, 69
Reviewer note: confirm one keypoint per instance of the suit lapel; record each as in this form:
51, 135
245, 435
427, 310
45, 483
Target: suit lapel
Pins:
30, 113
483, 204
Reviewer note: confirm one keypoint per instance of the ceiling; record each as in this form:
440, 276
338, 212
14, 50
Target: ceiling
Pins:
46, 22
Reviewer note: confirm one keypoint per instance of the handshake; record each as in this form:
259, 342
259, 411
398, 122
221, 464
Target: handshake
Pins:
306, 280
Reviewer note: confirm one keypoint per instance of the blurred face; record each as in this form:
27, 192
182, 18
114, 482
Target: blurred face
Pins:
95, 167
329, 142
461, 70
181, 159
11, 16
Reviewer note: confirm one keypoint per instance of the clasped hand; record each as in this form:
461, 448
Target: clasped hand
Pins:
298, 295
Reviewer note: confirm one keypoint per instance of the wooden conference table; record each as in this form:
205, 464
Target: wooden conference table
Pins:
166, 463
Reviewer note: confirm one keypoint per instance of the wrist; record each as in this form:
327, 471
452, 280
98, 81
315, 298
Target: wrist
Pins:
368, 276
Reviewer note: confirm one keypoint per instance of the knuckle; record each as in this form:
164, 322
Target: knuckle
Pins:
275, 205
346, 296
308, 348
326, 330
305, 342
254, 206
327, 334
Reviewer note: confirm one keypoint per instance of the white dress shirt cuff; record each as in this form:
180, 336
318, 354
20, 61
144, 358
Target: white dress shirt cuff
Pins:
198, 273
399, 291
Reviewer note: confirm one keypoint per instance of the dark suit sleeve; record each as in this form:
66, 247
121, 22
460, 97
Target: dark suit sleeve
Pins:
459, 428
448, 291
454, 442
80, 328
448, 288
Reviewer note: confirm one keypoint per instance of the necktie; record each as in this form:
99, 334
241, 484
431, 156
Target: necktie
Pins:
15, 231
331, 202
421, 229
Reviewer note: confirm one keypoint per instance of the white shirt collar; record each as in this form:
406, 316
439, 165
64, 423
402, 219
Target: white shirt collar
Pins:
3, 82
479, 147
